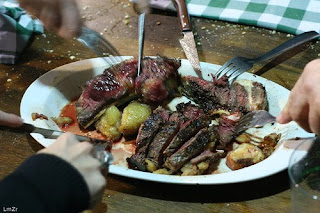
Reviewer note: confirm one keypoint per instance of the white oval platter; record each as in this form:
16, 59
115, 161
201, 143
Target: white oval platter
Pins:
53, 90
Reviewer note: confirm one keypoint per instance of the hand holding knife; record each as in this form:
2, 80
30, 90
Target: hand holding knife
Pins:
187, 42
100, 146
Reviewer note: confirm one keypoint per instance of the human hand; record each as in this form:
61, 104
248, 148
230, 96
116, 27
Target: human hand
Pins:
10, 120
61, 16
79, 155
303, 105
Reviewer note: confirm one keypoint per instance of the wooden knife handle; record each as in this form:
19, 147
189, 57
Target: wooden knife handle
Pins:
183, 15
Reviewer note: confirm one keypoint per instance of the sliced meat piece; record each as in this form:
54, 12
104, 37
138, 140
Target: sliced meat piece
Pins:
189, 110
243, 95
190, 149
147, 131
160, 142
227, 125
257, 95
187, 130
208, 156
201, 92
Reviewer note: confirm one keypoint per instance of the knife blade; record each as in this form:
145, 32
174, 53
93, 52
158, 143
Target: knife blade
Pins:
141, 41
101, 148
188, 43
50, 133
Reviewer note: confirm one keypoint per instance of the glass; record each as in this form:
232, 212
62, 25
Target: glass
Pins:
304, 174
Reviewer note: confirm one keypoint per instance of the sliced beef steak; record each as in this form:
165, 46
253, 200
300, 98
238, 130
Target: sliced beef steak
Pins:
148, 130
189, 111
187, 130
190, 149
208, 156
226, 128
243, 95
160, 142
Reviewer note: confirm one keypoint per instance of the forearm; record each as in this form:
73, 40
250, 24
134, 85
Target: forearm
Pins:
44, 183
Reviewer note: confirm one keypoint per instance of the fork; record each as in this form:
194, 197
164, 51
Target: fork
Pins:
254, 119
99, 45
238, 65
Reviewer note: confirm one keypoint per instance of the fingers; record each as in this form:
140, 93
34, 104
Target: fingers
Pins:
61, 16
10, 120
284, 116
304, 100
70, 19
33, 7
50, 16
314, 121
295, 110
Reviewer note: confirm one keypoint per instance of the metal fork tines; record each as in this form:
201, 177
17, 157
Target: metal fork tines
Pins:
99, 45
254, 119
235, 67
238, 65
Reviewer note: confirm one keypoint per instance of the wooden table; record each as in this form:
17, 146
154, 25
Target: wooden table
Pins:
217, 42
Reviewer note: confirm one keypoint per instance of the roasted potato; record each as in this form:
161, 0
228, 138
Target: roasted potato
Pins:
133, 116
63, 121
109, 123
244, 155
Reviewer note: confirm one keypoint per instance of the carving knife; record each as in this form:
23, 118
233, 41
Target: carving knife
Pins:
188, 43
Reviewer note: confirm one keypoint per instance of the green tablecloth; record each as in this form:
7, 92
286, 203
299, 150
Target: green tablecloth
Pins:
290, 16
16, 28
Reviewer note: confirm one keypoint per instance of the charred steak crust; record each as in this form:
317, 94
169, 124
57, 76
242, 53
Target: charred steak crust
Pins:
259, 97
200, 91
208, 156
113, 84
147, 132
187, 130
211, 96
161, 141
189, 111
158, 81
190, 149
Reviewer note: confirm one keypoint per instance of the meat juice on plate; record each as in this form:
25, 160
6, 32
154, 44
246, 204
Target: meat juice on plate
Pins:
120, 150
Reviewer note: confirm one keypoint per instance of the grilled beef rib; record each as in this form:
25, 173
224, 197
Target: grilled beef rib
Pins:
158, 81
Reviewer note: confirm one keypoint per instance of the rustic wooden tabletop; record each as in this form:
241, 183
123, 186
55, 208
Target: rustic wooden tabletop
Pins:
216, 42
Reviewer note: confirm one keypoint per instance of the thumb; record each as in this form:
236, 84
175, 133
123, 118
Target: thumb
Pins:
10, 120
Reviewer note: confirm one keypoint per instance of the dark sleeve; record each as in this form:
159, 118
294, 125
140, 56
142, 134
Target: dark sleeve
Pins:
44, 183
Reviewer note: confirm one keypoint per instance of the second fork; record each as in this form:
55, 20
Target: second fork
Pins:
238, 65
